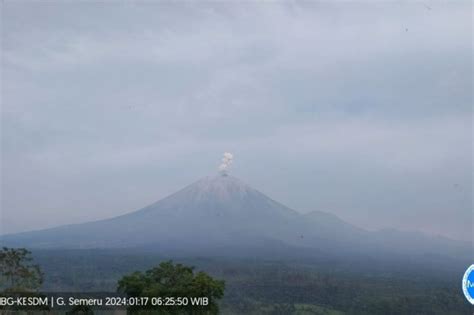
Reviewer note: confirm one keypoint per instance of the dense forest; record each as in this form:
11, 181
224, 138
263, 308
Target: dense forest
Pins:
256, 286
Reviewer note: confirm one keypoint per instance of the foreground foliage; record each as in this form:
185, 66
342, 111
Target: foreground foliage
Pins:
280, 287
17, 272
174, 285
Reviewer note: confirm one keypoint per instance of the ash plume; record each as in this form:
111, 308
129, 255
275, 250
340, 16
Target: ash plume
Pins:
226, 162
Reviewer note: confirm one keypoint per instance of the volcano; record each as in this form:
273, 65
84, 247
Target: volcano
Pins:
221, 212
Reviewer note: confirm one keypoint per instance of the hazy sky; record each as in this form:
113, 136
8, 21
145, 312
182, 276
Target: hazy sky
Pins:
360, 109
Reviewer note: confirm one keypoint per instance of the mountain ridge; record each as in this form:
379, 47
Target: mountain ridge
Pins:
222, 211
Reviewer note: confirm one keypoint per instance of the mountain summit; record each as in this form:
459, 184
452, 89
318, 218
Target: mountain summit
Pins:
222, 188
214, 211
219, 212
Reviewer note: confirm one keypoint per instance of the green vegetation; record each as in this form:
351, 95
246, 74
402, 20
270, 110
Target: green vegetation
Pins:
19, 277
256, 286
177, 286
17, 273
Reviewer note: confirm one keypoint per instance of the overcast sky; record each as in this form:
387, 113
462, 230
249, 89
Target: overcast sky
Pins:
362, 110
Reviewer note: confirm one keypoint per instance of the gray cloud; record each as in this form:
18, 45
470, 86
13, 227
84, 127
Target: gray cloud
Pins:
360, 109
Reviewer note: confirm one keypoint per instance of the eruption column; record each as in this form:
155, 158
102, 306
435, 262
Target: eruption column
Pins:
226, 162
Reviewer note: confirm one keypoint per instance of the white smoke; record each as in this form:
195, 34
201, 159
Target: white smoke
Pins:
226, 162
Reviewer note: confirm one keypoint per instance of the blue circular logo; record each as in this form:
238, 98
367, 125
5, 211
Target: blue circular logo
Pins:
468, 284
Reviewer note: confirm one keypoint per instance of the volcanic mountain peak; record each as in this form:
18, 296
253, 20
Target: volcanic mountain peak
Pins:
220, 187
219, 212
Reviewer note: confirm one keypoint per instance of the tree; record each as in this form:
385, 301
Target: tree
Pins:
17, 273
175, 285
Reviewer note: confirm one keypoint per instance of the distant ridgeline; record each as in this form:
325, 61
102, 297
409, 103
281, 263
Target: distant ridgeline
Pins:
220, 215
